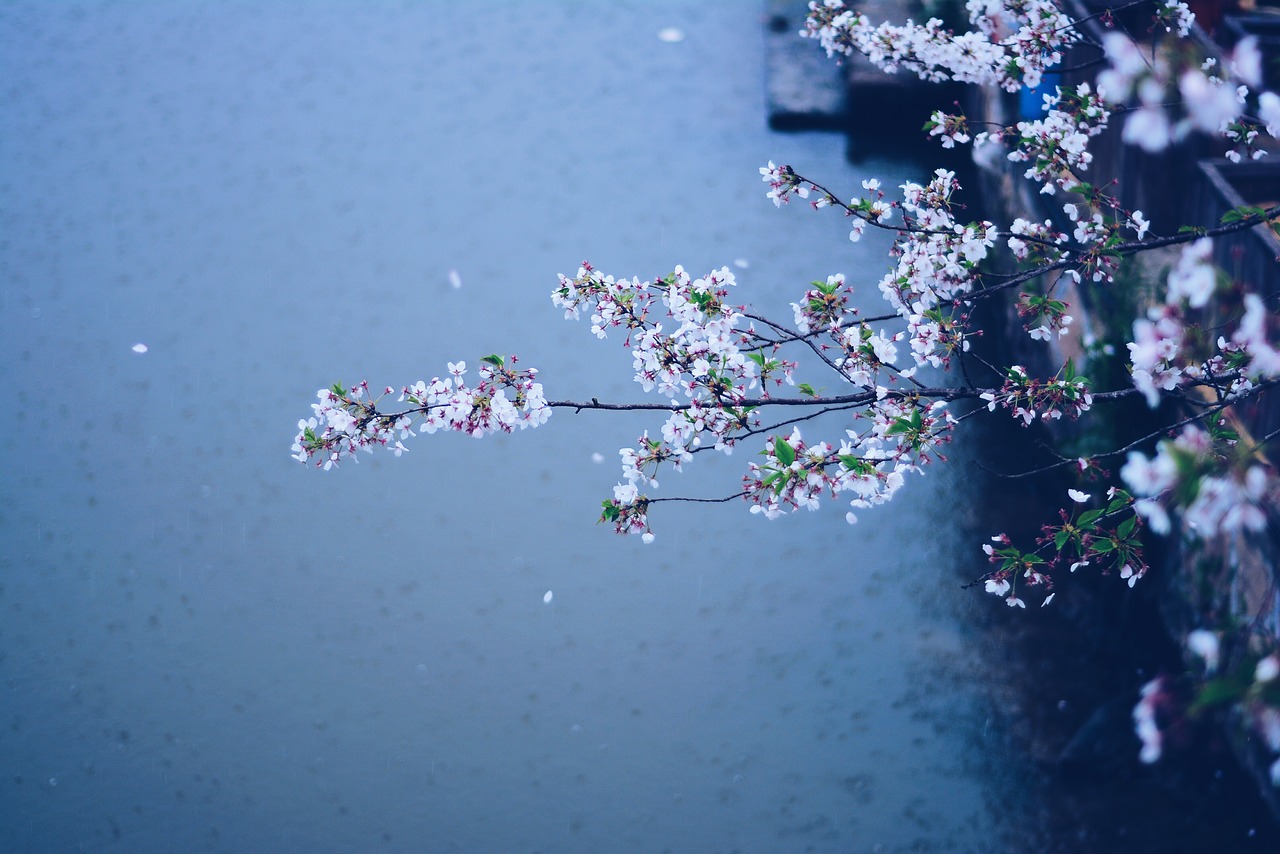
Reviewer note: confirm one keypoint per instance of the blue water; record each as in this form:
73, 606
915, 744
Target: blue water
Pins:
207, 647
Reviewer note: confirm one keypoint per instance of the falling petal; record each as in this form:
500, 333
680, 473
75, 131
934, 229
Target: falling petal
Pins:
546, 597
139, 348
741, 263
671, 35
455, 281
597, 457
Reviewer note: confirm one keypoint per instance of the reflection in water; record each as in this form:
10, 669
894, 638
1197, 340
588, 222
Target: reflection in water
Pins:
206, 647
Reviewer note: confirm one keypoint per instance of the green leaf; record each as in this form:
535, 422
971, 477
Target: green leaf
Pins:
702, 299
784, 452
852, 463
1088, 517
776, 481
806, 389
1217, 692
1060, 539
757, 357
1242, 212
1126, 527
1118, 503
493, 359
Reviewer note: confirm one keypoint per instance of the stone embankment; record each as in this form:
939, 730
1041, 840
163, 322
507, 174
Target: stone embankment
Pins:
806, 90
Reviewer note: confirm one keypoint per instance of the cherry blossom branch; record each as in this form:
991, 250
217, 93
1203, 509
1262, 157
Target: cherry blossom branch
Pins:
795, 336
1133, 249
1164, 430
686, 339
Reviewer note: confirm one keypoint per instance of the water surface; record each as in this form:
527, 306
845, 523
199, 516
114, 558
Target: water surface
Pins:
207, 647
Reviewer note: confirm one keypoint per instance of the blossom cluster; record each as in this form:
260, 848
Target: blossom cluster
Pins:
1012, 45
1242, 676
783, 183
1057, 145
824, 306
1105, 537
937, 258
349, 420
870, 464
683, 333
1215, 493
1029, 398
1162, 355
1014, 42
1034, 241
1212, 96
1146, 719
687, 344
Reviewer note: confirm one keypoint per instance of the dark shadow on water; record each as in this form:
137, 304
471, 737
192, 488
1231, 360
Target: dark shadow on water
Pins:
887, 122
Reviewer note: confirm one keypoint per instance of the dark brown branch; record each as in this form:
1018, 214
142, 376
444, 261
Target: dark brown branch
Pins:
1212, 410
